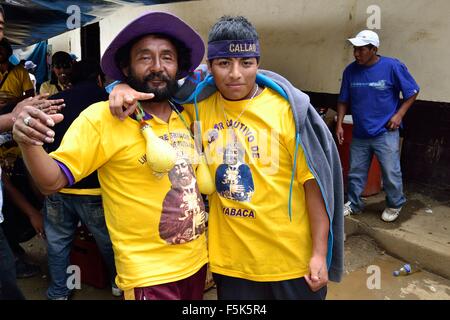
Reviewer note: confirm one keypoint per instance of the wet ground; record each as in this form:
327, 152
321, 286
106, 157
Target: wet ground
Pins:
364, 261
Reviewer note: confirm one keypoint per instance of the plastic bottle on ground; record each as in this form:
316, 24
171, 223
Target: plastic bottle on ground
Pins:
403, 271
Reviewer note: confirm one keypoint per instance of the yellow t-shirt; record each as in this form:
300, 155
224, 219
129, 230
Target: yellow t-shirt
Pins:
250, 235
18, 81
155, 225
50, 88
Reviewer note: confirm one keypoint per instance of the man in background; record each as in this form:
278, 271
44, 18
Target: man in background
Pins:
371, 87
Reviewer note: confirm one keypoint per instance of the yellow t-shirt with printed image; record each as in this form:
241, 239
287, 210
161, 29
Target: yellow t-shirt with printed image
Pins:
250, 234
156, 223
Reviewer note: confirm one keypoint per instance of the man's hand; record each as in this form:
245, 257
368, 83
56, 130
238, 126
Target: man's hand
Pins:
340, 134
32, 126
395, 122
37, 221
318, 273
40, 102
123, 96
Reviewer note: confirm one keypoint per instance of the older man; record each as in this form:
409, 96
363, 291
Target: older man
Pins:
150, 54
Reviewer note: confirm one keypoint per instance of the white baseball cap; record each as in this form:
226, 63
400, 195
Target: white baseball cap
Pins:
364, 38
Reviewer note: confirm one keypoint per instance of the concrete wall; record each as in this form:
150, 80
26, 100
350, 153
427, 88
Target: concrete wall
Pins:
305, 40
69, 42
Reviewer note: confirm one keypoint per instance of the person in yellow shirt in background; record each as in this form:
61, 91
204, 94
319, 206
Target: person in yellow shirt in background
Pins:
82, 201
60, 78
150, 54
15, 83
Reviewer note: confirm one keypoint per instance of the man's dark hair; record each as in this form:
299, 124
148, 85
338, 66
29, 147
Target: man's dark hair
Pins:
2, 12
232, 28
86, 70
183, 53
59, 58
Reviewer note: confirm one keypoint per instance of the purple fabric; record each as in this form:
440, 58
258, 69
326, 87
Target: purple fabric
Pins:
233, 49
150, 23
67, 173
190, 288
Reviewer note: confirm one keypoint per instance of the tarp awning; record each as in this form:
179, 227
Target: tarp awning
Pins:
31, 21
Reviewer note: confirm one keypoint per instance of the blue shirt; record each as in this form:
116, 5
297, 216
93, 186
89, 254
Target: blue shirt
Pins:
373, 93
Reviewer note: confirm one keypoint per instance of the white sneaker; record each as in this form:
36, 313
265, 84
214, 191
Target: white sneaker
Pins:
116, 292
390, 214
348, 209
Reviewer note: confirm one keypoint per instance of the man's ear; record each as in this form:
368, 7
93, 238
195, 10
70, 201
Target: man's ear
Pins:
100, 81
126, 71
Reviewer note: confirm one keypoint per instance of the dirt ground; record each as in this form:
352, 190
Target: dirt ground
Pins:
361, 252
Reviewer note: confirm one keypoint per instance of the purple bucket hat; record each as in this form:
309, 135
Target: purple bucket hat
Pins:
154, 22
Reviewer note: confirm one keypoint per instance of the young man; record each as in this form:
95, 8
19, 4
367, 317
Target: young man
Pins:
61, 74
256, 249
371, 86
150, 54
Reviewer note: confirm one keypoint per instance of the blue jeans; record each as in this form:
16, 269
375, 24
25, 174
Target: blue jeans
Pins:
62, 213
8, 284
386, 148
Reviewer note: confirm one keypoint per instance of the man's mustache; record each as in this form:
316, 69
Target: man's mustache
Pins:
157, 76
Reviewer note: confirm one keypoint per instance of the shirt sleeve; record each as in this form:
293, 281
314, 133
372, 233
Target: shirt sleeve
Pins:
404, 81
81, 151
44, 88
344, 95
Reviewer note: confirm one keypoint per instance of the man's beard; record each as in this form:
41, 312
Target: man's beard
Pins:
162, 94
